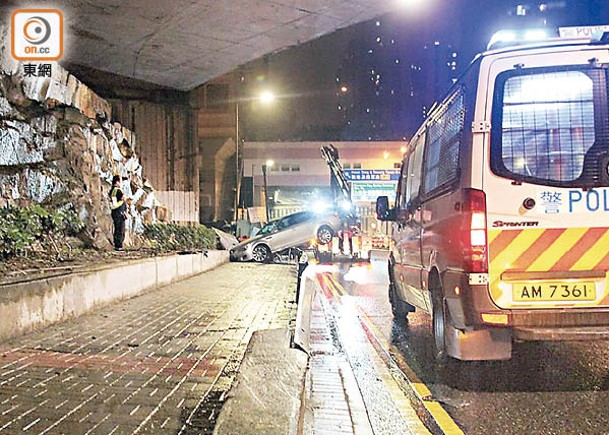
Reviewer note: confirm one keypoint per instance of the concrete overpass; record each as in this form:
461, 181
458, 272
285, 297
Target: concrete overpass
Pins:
183, 43
166, 68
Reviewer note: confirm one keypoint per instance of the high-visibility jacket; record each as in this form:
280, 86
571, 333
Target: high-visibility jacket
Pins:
114, 201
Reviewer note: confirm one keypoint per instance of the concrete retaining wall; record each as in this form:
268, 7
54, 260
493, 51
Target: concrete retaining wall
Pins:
34, 304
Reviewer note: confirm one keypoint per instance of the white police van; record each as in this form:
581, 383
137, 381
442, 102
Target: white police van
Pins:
501, 218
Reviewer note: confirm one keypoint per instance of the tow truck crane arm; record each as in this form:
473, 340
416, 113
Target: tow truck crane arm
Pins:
341, 190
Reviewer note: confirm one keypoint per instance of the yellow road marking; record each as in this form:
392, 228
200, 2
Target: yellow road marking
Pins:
444, 421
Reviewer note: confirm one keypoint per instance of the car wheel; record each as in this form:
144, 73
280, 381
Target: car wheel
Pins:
261, 254
324, 235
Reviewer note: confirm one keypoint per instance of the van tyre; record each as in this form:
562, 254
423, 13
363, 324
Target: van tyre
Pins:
439, 326
261, 254
324, 235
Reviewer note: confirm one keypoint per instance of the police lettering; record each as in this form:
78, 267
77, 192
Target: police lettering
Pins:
592, 200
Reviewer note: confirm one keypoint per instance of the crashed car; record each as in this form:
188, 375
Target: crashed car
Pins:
294, 230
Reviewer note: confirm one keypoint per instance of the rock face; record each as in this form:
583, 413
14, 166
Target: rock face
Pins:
58, 147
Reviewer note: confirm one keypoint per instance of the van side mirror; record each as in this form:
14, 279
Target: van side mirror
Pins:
383, 211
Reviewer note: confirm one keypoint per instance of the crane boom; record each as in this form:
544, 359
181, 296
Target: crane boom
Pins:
341, 190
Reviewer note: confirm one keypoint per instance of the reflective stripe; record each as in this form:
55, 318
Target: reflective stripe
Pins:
546, 251
114, 202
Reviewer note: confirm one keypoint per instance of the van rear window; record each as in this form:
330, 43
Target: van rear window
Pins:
550, 126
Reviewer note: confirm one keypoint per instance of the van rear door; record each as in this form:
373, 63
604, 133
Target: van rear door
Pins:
546, 178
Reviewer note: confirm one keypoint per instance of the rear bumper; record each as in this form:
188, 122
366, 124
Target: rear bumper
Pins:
466, 311
563, 334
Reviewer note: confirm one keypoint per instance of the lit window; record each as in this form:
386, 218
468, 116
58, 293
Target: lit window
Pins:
378, 23
547, 126
397, 61
378, 39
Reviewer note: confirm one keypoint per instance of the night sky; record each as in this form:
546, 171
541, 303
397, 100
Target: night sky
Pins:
305, 76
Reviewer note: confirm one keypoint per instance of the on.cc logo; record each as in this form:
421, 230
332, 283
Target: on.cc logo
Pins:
37, 34
36, 30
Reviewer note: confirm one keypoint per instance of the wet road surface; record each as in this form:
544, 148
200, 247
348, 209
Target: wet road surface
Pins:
549, 388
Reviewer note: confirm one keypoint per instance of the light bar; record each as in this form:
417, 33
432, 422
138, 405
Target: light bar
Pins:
506, 38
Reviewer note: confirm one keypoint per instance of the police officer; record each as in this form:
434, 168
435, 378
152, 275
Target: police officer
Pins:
119, 212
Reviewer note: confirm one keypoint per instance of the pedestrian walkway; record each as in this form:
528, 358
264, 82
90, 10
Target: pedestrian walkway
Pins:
159, 363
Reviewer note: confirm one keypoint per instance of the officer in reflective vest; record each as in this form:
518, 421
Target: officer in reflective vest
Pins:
119, 212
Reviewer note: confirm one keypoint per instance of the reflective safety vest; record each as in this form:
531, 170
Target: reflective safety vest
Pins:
114, 202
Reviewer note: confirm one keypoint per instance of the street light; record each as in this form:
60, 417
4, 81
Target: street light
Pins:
265, 97
268, 164
238, 164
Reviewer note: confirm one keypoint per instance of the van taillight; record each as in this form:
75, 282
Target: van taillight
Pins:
474, 209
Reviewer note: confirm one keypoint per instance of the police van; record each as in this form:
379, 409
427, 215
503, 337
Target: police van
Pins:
501, 217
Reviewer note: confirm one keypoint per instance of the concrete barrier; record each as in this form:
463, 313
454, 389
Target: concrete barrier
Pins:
267, 395
34, 304
307, 290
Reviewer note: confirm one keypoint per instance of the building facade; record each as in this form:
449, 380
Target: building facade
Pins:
299, 177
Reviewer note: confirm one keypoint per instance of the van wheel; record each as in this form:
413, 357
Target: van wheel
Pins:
439, 325
324, 235
261, 254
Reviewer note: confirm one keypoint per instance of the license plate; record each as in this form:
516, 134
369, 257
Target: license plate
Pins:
553, 291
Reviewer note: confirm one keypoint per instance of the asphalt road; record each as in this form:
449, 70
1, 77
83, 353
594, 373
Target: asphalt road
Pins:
549, 388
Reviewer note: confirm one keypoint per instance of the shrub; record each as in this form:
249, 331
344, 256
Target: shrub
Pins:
173, 237
22, 227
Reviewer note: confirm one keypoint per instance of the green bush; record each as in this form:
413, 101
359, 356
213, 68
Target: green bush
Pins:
173, 237
22, 227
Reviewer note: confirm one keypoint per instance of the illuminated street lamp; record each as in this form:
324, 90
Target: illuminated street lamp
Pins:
267, 97
268, 164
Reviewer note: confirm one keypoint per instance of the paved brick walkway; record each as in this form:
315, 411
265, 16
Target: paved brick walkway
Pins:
333, 398
158, 363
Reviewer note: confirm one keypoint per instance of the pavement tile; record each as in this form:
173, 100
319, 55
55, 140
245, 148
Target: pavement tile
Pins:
146, 364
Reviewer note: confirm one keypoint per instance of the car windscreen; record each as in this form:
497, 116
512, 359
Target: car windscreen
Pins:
550, 126
268, 228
